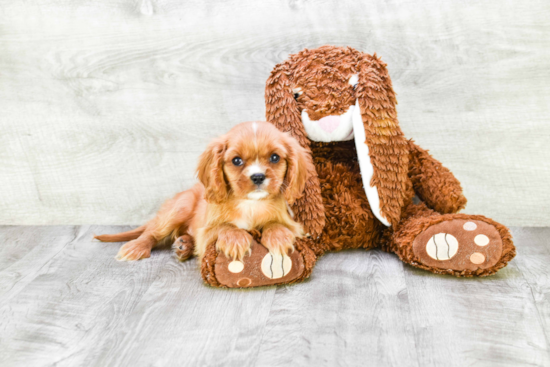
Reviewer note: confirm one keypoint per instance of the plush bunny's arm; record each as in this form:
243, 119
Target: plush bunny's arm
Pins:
433, 183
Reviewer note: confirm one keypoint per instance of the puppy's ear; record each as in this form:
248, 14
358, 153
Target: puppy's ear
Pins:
210, 171
280, 106
299, 169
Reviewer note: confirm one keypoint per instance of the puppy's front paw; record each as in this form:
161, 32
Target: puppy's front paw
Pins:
279, 240
134, 250
234, 243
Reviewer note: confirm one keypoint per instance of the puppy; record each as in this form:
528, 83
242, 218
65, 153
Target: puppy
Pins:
248, 178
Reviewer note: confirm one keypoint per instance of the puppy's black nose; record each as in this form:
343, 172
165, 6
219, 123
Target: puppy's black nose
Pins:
257, 178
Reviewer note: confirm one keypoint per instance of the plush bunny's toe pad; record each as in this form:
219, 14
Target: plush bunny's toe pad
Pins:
459, 245
260, 268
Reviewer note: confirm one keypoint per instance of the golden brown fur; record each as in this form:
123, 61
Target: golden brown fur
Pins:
227, 203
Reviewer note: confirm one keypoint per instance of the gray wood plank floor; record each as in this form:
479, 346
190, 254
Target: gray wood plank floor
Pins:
65, 301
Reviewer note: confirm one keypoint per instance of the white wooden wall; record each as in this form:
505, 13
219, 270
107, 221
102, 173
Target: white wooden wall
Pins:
106, 105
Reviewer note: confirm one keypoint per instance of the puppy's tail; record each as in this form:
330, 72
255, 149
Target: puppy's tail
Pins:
120, 237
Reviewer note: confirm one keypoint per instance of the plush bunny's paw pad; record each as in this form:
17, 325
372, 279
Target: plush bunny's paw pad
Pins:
260, 268
459, 244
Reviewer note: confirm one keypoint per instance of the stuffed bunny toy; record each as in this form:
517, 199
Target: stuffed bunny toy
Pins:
339, 104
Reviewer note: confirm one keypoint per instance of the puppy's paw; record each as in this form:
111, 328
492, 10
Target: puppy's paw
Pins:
134, 250
279, 240
234, 243
183, 247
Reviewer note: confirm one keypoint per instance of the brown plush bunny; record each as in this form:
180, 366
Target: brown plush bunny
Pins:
339, 104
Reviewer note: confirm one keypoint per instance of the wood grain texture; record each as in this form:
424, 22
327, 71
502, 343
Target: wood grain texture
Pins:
65, 301
353, 309
106, 105
463, 322
181, 321
72, 301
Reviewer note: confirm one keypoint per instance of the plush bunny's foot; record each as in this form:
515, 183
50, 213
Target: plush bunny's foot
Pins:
259, 268
459, 244
456, 244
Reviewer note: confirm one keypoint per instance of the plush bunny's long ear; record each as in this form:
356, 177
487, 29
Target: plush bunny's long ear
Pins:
381, 147
280, 106
299, 168
282, 111
210, 171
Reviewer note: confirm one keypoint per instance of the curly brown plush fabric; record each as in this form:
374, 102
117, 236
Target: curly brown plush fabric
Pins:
323, 74
335, 208
433, 183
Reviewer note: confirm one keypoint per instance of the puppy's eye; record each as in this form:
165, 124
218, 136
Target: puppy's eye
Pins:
296, 95
354, 86
237, 161
274, 158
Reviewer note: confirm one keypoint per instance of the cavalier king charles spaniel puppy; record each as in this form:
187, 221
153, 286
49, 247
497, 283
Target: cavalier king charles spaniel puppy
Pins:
248, 178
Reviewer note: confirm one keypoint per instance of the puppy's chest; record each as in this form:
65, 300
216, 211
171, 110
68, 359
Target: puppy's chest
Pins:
251, 214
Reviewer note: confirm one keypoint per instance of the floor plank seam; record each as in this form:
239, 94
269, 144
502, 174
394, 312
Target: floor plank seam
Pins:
264, 326
409, 308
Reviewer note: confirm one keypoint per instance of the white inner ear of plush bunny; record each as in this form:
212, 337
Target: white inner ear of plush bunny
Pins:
343, 127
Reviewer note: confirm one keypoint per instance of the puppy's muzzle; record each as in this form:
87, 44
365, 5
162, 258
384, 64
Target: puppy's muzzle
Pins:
258, 178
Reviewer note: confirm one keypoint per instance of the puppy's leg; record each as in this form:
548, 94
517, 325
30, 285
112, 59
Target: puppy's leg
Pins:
137, 249
278, 239
173, 215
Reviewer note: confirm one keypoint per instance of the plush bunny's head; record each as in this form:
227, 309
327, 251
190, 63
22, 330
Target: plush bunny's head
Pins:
333, 94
